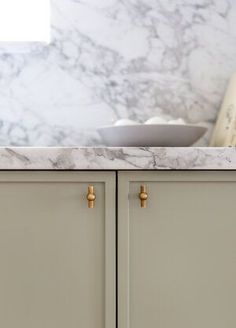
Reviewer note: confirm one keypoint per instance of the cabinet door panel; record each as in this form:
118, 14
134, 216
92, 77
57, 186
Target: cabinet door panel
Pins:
55, 252
177, 257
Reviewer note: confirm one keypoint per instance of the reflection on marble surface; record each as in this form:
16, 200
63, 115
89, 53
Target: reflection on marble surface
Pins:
112, 58
132, 158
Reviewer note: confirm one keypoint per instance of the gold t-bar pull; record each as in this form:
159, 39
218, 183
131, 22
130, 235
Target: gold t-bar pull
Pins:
143, 196
91, 197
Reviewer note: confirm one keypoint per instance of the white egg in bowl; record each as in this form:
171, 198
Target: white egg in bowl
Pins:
125, 121
177, 121
156, 120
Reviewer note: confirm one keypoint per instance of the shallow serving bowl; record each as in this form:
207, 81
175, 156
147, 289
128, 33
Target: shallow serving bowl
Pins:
151, 135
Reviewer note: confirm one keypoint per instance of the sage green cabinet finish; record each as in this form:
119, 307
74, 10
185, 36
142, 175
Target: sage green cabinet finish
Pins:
177, 257
57, 256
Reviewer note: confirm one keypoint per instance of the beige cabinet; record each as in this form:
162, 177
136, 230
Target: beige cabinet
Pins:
177, 256
176, 250
57, 256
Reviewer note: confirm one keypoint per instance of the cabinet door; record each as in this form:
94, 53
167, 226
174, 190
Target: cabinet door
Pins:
57, 256
177, 256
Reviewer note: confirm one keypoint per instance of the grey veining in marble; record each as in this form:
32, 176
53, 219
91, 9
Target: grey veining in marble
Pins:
113, 58
118, 158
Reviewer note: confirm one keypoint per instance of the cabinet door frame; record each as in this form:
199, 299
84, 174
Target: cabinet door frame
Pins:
124, 180
109, 179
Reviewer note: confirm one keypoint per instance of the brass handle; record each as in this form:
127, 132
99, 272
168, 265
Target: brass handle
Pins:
143, 196
91, 197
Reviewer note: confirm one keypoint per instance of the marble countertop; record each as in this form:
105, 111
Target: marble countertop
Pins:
106, 158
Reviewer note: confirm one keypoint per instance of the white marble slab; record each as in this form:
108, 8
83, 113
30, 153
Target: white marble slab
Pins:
117, 59
117, 158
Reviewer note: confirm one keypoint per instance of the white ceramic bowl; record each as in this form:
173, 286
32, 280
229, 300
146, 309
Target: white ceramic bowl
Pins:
153, 135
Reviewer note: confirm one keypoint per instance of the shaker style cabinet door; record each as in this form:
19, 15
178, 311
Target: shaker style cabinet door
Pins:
177, 253
57, 255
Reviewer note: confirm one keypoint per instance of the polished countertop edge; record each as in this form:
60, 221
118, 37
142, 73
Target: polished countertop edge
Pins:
117, 158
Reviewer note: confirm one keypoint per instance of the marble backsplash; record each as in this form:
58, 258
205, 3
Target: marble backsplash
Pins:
111, 59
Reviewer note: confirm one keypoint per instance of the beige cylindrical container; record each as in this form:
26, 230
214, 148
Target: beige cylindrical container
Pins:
225, 130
